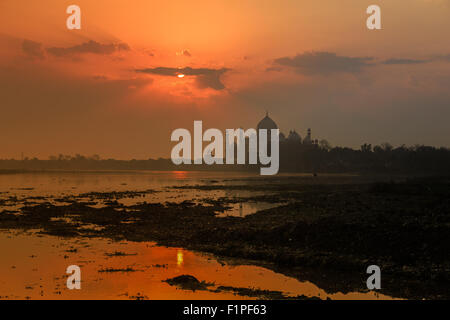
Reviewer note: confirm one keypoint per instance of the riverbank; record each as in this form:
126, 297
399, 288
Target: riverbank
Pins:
327, 232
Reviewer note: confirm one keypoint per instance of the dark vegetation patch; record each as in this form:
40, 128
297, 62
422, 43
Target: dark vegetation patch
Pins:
110, 270
334, 230
189, 282
116, 194
261, 294
119, 254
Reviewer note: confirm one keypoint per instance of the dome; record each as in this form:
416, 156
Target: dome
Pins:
294, 136
267, 123
308, 137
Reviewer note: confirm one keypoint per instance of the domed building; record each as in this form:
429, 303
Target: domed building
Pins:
267, 123
293, 137
308, 139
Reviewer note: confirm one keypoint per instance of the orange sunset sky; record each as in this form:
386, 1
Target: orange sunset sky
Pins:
113, 88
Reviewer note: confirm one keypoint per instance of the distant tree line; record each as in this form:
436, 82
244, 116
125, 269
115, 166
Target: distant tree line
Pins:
294, 157
382, 158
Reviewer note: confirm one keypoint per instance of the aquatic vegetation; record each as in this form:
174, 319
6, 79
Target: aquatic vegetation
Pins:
188, 282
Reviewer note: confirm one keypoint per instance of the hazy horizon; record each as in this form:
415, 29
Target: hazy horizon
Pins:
113, 87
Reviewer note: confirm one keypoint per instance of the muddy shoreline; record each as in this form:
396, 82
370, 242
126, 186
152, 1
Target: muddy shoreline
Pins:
326, 233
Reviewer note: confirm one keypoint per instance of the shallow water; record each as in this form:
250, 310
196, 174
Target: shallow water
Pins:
32, 266
157, 187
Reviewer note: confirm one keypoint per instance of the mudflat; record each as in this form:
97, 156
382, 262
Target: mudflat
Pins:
328, 231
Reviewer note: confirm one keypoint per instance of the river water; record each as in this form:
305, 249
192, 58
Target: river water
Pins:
33, 266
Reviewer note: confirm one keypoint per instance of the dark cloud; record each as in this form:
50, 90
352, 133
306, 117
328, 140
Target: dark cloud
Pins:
33, 49
91, 46
205, 77
324, 63
435, 58
269, 69
210, 81
186, 53
404, 61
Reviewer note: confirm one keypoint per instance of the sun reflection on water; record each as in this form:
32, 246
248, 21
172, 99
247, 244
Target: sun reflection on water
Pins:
180, 258
179, 174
